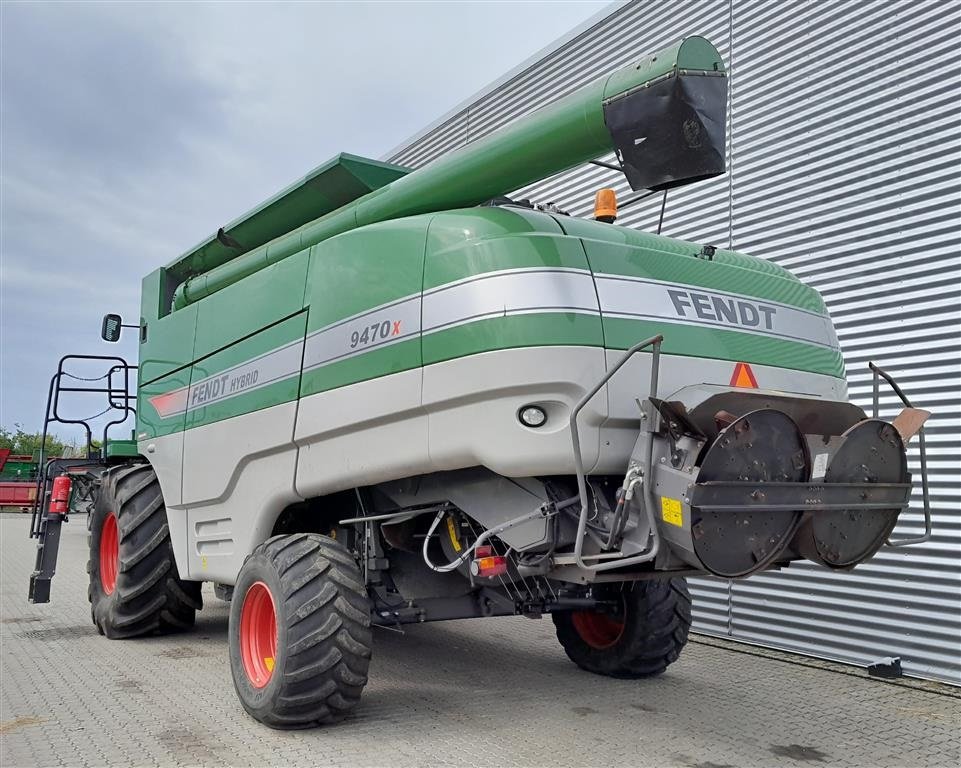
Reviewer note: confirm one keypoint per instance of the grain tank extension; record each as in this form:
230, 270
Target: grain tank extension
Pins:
389, 396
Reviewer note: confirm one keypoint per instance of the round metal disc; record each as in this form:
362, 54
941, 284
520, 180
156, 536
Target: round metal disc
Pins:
763, 446
872, 452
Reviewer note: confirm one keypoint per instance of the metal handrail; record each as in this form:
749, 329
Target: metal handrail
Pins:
649, 554
879, 373
114, 395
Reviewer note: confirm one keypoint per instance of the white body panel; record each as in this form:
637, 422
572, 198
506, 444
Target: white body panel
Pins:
240, 473
361, 434
166, 455
473, 404
217, 455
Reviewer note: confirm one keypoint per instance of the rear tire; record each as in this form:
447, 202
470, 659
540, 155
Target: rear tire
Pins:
642, 640
134, 587
300, 638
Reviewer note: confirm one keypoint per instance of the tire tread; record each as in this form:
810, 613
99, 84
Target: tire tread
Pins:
149, 597
656, 631
326, 610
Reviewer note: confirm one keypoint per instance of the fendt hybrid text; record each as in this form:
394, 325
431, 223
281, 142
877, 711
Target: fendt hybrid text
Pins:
388, 396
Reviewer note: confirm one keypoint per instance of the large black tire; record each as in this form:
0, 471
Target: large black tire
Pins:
145, 595
319, 621
641, 640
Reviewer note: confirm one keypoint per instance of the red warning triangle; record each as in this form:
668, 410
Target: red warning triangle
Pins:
743, 376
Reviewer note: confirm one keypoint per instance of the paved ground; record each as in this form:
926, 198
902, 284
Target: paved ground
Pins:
481, 693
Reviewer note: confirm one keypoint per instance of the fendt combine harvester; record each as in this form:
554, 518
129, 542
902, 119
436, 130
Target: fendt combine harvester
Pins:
390, 396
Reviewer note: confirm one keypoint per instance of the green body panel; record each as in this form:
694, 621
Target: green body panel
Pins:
365, 273
589, 230
542, 330
371, 365
717, 344
166, 343
357, 272
555, 138
240, 310
117, 449
478, 240
362, 270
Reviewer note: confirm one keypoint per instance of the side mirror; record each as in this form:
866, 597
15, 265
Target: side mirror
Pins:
110, 329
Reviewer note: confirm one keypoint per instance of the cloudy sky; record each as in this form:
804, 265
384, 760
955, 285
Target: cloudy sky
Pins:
131, 131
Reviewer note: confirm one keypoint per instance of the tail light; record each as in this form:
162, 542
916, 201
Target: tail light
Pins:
487, 564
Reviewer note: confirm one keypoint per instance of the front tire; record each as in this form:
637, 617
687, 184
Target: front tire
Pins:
134, 587
300, 638
641, 639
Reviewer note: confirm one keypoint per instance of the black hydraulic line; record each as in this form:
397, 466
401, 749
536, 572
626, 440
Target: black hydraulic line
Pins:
660, 221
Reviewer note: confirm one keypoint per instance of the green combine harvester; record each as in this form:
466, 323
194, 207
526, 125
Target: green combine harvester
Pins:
389, 396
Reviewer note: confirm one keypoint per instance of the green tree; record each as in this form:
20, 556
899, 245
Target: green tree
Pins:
28, 443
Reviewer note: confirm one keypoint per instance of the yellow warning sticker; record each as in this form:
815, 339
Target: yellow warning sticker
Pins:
203, 562
671, 511
452, 531
269, 663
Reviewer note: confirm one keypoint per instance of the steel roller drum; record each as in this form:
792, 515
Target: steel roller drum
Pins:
763, 446
872, 452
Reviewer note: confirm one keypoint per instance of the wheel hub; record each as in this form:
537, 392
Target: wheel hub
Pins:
596, 629
109, 554
258, 634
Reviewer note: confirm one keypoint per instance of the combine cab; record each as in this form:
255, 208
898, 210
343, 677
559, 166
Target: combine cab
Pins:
390, 396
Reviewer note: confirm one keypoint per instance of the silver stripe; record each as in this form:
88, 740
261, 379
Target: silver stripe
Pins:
502, 293
640, 298
510, 292
498, 272
365, 313
687, 286
346, 338
513, 313
249, 376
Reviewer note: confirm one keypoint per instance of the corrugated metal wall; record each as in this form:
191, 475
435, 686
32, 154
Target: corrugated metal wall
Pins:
844, 160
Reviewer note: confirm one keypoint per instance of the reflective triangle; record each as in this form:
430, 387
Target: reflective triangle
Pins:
743, 376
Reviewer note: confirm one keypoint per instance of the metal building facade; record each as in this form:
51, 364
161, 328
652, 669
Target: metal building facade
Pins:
844, 166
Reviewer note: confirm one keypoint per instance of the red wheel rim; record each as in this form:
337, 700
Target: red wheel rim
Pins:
258, 634
109, 554
598, 630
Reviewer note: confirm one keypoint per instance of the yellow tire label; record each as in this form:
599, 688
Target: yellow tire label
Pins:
269, 663
671, 511
452, 532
